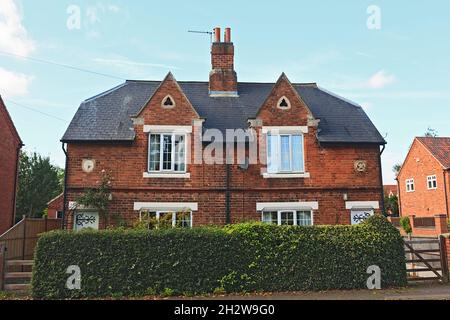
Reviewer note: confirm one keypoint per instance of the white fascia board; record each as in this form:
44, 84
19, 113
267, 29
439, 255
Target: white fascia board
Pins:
163, 206
285, 129
167, 129
267, 206
362, 205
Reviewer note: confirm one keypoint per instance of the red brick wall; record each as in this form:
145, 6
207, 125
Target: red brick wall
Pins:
8, 160
422, 202
331, 169
54, 206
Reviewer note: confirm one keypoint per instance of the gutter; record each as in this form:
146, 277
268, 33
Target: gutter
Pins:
383, 210
228, 195
63, 224
399, 198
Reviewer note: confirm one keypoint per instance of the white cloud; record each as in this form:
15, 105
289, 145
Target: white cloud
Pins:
380, 80
13, 84
13, 35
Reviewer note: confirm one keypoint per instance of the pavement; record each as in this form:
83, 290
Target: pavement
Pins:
414, 291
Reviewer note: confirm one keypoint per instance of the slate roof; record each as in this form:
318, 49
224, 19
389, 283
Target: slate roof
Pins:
439, 148
106, 117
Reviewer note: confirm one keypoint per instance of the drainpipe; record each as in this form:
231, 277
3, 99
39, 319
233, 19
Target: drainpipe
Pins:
399, 198
381, 181
445, 191
63, 224
13, 218
228, 195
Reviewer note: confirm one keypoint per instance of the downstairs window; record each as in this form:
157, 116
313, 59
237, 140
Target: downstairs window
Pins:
288, 217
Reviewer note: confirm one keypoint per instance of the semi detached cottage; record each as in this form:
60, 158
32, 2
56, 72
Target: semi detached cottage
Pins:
317, 155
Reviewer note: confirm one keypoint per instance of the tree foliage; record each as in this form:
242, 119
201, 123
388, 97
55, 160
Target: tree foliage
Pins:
39, 182
433, 133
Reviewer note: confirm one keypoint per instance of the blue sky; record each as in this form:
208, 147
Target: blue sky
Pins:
399, 73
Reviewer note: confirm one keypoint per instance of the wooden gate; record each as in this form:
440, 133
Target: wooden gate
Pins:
425, 260
20, 241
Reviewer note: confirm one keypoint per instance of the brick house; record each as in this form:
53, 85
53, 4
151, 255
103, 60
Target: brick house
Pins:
318, 157
55, 207
10, 145
424, 179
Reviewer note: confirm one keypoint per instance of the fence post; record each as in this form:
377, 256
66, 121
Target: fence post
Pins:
411, 222
24, 236
444, 245
2, 266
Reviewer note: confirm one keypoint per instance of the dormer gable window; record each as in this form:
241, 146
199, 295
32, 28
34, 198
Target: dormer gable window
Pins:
284, 103
168, 102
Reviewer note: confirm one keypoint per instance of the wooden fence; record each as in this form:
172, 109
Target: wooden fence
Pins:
20, 241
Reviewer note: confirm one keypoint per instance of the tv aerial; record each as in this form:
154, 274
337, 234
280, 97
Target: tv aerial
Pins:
210, 33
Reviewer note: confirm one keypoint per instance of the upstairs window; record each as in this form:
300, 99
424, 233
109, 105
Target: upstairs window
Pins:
284, 103
410, 185
167, 153
432, 182
285, 153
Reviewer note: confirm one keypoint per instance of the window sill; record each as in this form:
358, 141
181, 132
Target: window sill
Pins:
286, 175
150, 175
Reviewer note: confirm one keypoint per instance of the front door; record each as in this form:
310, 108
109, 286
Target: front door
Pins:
85, 220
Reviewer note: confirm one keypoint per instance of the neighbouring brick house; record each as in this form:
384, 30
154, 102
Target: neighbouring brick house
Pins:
10, 145
55, 207
322, 152
424, 179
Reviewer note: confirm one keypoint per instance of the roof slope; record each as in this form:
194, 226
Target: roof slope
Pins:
107, 116
439, 148
9, 121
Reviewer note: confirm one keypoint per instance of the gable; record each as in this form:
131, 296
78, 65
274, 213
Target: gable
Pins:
284, 106
416, 152
168, 105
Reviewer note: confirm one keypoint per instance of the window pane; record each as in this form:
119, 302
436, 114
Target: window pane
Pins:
180, 147
285, 153
183, 220
287, 218
297, 153
304, 218
167, 152
270, 217
165, 220
272, 154
155, 156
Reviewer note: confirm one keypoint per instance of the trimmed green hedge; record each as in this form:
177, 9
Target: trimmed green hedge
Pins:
237, 258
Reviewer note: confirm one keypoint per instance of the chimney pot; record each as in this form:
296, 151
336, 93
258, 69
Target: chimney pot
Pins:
227, 34
217, 34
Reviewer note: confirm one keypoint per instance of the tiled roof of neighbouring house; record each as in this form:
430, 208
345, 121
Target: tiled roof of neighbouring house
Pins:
106, 117
439, 148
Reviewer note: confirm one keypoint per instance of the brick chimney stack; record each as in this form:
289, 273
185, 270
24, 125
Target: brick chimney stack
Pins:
222, 78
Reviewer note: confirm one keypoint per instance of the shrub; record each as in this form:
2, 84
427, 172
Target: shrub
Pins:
239, 258
406, 224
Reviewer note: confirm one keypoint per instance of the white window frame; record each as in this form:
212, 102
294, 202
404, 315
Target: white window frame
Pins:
433, 180
291, 154
410, 185
279, 212
161, 153
174, 216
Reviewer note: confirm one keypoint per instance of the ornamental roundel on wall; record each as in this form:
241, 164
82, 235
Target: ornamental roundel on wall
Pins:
360, 166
